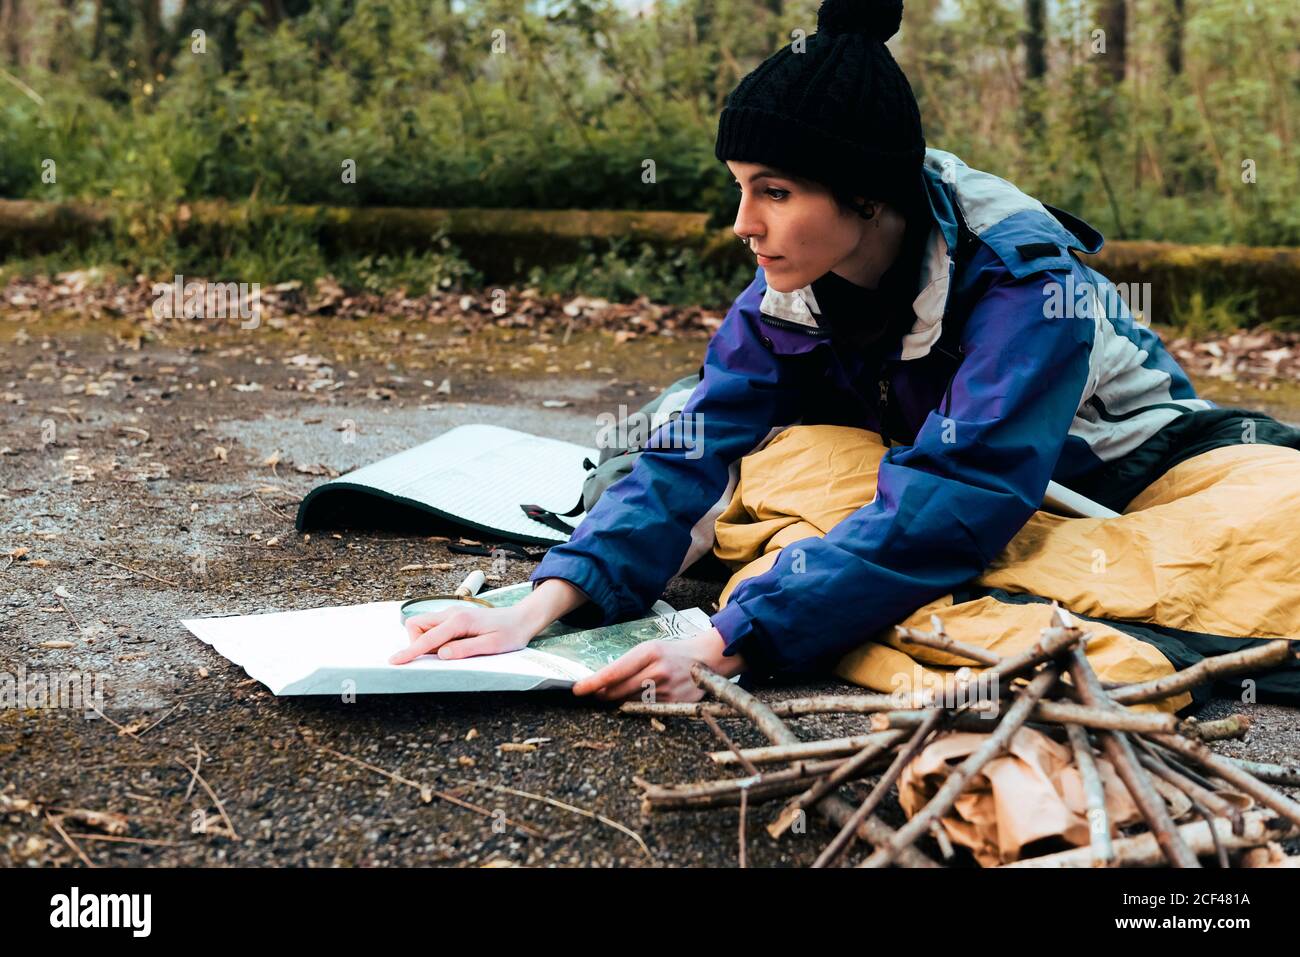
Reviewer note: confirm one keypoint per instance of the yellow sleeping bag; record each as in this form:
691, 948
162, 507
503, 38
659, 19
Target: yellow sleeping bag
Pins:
1203, 561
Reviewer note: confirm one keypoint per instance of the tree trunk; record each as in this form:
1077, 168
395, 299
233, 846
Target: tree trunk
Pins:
1113, 19
11, 31
1035, 40
1174, 36
272, 13
149, 26
97, 42
64, 50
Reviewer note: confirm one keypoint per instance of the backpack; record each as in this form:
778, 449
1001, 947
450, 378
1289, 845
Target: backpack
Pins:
617, 461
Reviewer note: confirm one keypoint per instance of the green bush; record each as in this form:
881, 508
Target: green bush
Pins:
620, 274
582, 96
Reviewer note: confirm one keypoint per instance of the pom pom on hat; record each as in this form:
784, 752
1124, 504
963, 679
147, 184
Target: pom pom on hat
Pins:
873, 18
839, 112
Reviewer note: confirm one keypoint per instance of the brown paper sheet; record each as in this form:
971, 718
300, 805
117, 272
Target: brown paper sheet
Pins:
1032, 793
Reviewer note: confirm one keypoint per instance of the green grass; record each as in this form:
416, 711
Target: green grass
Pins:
1199, 314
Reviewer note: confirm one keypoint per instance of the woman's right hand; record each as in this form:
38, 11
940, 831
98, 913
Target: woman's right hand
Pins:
465, 632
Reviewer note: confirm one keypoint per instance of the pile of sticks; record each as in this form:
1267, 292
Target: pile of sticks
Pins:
1161, 760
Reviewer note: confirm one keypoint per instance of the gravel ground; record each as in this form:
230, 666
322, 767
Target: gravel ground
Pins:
146, 486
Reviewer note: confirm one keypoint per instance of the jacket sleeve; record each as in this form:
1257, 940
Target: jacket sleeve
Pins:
658, 519
945, 506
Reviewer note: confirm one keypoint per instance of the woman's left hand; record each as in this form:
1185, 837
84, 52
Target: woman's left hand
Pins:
664, 664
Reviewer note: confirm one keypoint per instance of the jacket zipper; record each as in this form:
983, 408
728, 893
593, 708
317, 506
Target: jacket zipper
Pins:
886, 377
947, 398
787, 324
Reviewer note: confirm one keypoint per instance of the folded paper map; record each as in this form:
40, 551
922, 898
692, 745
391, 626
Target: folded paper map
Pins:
345, 649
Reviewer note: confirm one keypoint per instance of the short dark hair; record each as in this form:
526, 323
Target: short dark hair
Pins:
910, 202
846, 202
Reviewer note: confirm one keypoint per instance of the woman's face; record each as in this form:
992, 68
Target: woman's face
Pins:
798, 224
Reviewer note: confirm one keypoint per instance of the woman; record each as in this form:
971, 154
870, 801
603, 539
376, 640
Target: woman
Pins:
920, 352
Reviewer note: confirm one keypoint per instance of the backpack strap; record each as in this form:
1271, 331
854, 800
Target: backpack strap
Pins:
552, 519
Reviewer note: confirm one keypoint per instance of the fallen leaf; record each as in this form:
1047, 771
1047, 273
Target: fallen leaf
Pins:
136, 726
316, 469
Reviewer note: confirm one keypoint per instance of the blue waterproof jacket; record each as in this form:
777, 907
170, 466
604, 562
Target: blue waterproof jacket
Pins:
1023, 366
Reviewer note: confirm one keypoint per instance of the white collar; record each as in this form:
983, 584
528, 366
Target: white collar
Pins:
800, 306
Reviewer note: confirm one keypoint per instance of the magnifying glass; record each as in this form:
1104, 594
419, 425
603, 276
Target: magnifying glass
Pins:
462, 597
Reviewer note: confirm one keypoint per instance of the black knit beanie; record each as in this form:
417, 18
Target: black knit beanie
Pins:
840, 113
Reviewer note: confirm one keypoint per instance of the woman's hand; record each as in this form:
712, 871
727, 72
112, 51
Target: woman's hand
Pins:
666, 664
464, 632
